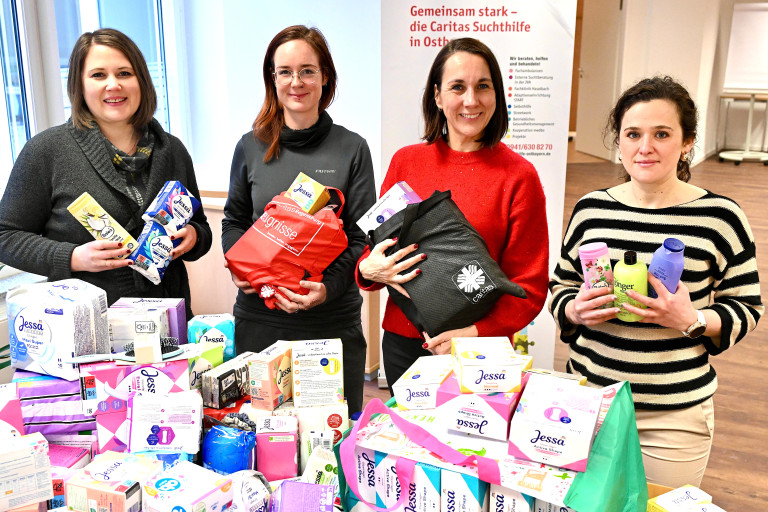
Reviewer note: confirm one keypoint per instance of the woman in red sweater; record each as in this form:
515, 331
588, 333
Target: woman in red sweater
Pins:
498, 191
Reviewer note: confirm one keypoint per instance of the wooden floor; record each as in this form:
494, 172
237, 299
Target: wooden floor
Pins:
737, 474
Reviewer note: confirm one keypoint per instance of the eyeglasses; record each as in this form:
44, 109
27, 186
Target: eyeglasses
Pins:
307, 75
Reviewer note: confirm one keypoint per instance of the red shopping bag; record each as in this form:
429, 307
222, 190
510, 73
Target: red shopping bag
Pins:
287, 245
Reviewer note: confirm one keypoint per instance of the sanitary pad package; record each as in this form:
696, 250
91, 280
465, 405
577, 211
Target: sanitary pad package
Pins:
202, 357
302, 497
177, 313
135, 325
165, 422
173, 207
393, 200
487, 365
214, 329
153, 252
269, 372
417, 387
51, 322
187, 487
310, 195
318, 372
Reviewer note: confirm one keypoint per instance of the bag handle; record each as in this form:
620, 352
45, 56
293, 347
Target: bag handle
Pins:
341, 200
413, 212
488, 469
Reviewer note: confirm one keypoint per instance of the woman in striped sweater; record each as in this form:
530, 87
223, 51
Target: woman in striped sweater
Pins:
664, 356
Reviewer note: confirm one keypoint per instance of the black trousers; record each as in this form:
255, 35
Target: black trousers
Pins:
254, 336
399, 354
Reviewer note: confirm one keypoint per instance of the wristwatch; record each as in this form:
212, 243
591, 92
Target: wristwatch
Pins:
698, 327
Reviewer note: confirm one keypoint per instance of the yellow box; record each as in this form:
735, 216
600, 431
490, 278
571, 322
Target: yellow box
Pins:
310, 195
488, 365
678, 499
98, 222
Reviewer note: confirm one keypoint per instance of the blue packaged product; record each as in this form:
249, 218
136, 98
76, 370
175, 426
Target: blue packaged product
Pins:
153, 253
667, 265
218, 328
173, 207
227, 450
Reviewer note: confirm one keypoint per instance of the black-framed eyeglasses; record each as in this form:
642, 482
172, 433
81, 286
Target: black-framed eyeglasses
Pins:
307, 75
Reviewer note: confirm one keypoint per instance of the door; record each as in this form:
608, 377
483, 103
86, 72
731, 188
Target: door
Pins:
601, 44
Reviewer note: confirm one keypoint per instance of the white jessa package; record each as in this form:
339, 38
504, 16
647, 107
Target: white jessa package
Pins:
186, 487
554, 422
423, 493
508, 500
318, 372
679, 500
417, 387
173, 207
171, 422
462, 492
49, 323
250, 492
153, 252
487, 365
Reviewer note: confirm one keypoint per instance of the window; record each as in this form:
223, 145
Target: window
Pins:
15, 131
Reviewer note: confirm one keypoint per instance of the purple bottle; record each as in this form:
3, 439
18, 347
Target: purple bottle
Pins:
667, 265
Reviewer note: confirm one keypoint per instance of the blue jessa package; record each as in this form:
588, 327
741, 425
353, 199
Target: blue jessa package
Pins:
173, 207
153, 253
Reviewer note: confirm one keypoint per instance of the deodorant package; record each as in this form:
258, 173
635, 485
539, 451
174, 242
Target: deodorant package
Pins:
173, 207
228, 450
51, 322
153, 254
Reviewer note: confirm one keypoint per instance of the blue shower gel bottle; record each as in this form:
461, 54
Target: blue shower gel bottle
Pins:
667, 265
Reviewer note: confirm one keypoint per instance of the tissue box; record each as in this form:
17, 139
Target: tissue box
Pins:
51, 405
393, 200
462, 492
417, 387
177, 313
135, 324
679, 500
186, 486
310, 195
25, 471
487, 365
173, 207
485, 415
165, 422
107, 386
508, 500
276, 447
302, 497
214, 329
111, 482
554, 423
318, 372
269, 372
54, 321
227, 383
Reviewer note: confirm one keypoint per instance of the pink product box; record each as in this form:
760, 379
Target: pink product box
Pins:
302, 497
112, 431
177, 313
10, 409
107, 386
277, 455
70, 457
485, 415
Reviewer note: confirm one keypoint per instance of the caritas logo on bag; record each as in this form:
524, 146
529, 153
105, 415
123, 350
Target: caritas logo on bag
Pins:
473, 282
285, 234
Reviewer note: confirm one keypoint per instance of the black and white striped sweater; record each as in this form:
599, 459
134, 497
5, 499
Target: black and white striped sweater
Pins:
665, 369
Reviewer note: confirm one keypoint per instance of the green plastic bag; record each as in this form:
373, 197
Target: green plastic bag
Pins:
615, 476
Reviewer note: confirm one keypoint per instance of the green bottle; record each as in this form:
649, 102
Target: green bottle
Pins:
629, 274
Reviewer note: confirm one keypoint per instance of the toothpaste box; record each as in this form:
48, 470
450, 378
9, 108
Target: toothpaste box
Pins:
462, 492
227, 383
318, 372
214, 329
554, 423
106, 387
292, 496
51, 322
25, 471
168, 422
487, 365
135, 324
186, 487
177, 313
417, 387
269, 372
310, 195
679, 500
277, 447
173, 207
393, 200
509, 500
485, 415
153, 252
112, 481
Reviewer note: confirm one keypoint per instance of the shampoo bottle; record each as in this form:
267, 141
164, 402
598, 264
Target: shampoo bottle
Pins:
667, 265
629, 274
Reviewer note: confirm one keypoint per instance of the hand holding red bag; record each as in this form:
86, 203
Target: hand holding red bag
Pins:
286, 245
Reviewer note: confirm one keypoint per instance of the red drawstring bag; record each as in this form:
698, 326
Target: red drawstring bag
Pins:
287, 245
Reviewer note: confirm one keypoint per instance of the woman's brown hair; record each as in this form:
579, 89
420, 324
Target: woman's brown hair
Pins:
270, 120
81, 115
435, 124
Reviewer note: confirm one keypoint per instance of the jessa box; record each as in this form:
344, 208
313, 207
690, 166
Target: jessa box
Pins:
487, 365
308, 193
554, 422
186, 487
678, 500
318, 372
417, 387
269, 372
393, 200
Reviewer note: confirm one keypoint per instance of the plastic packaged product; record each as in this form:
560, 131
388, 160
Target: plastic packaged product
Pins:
393, 200
667, 265
269, 372
250, 492
186, 487
153, 253
214, 329
227, 450
98, 222
302, 497
173, 207
629, 274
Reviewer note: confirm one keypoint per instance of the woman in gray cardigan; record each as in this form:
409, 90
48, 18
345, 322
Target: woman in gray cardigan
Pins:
113, 149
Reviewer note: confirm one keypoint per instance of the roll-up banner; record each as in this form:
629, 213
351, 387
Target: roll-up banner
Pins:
533, 43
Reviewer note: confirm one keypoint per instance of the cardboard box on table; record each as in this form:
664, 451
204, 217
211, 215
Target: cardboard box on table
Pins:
25, 471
